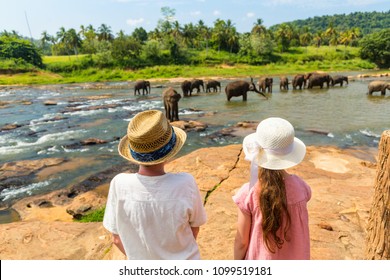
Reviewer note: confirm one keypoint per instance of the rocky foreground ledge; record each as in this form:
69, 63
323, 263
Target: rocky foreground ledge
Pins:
342, 189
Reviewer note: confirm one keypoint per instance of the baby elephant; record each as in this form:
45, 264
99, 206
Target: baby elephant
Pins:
338, 79
213, 84
378, 86
171, 104
283, 83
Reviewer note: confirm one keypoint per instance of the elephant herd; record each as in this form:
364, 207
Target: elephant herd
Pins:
241, 87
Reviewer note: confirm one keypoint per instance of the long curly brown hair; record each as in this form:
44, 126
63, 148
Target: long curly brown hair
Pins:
273, 206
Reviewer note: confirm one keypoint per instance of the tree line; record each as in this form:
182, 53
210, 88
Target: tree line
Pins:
173, 43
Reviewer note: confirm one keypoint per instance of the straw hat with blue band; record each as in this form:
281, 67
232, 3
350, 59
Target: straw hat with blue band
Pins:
151, 139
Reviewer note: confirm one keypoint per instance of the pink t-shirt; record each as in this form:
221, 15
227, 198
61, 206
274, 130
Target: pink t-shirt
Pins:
298, 246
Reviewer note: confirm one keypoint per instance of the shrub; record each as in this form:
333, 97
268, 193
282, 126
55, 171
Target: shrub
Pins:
15, 48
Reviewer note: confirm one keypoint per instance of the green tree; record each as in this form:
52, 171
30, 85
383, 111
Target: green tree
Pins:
126, 51
73, 40
165, 25
231, 36
258, 28
376, 48
105, 33
203, 35
15, 48
140, 34
284, 35
306, 37
152, 52
45, 40
218, 34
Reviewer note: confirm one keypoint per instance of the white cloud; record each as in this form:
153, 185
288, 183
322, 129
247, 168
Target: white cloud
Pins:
135, 22
250, 15
196, 13
216, 13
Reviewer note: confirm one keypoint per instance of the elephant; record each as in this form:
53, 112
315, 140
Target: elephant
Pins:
238, 88
171, 103
318, 79
378, 86
196, 84
265, 83
186, 88
213, 84
283, 83
299, 81
338, 79
141, 84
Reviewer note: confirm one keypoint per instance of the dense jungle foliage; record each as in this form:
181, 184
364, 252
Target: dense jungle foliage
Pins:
171, 43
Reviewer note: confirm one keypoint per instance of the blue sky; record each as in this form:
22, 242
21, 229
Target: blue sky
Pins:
126, 15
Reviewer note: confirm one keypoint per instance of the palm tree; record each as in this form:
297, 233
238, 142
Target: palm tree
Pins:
73, 40
189, 34
44, 39
218, 33
176, 31
284, 34
105, 33
231, 35
332, 34
204, 33
318, 38
259, 28
306, 37
61, 35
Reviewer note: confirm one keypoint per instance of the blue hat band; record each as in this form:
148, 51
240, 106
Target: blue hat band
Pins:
155, 155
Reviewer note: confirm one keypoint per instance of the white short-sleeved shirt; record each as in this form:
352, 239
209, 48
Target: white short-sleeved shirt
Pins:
153, 215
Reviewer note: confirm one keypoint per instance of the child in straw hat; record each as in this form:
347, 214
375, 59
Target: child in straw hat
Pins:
273, 220
153, 214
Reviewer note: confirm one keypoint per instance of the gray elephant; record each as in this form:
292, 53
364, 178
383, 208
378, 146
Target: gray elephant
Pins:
265, 83
338, 79
213, 84
318, 79
186, 88
196, 84
283, 83
240, 88
299, 81
171, 103
378, 86
141, 84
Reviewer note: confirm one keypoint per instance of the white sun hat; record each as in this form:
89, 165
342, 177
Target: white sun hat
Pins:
273, 146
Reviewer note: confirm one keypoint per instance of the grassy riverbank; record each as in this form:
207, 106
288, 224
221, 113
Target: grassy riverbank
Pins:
75, 69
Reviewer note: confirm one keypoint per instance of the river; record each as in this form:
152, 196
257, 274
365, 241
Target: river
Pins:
345, 117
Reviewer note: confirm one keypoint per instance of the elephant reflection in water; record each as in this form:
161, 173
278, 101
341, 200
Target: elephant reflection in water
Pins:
171, 104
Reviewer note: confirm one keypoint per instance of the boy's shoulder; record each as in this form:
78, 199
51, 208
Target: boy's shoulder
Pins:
183, 175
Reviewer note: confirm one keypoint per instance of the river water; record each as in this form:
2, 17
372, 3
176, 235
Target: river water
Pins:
340, 116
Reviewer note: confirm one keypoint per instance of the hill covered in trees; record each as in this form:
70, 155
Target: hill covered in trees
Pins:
175, 43
367, 22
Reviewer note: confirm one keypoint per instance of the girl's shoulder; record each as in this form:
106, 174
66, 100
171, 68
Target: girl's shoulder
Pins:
297, 186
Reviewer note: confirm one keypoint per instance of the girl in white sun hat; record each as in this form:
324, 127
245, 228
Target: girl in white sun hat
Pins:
273, 220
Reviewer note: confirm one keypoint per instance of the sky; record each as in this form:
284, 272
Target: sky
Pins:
30, 18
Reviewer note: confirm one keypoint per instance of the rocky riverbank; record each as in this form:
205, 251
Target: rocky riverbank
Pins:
342, 183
